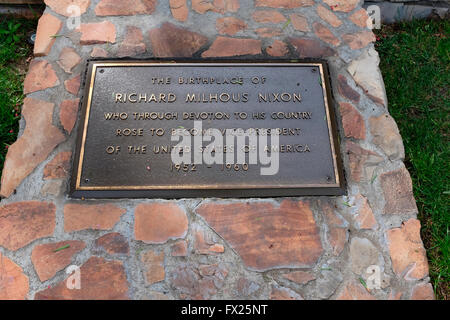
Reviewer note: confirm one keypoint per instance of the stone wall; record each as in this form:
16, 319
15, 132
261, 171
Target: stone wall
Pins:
280, 248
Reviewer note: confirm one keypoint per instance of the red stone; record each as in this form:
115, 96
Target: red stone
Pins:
203, 246
277, 49
100, 280
113, 243
40, 77
179, 249
62, 7
360, 18
337, 233
267, 236
125, 7
268, 32
346, 91
68, 114
23, 222
223, 6
68, 59
286, 4
48, 260
309, 48
359, 40
328, 16
364, 215
342, 5
154, 266
423, 291
172, 41
159, 222
300, 277
33, 146
14, 284
281, 293
325, 34
230, 25
407, 253
228, 47
355, 291
360, 160
268, 16
133, 44
94, 33
352, 121
73, 85
59, 166
179, 9
98, 217
48, 27
397, 190
99, 53
299, 22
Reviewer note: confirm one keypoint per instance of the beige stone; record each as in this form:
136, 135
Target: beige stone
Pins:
68, 59
328, 16
385, 135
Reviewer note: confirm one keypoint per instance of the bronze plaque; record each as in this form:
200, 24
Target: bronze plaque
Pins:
222, 129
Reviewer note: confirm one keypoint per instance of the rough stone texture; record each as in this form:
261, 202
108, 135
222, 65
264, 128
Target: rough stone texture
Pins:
179, 249
359, 40
73, 85
100, 280
203, 246
300, 277
386, 135
159, 222
408, 255
68, 114
328, 16
23, 222
50, 258
59, 166
63, 7
230, 25
364, 215
311, 48
125, 7
14, 284
360, 18
246, 288
172, 41
268, 16
423, 291
48, 27
154, 266
40, 77
113, 243
286, 4
281, 293
198, 283
352, 121
179, 9
367, 75
299, 22
342, 5
68, 59
133, 44
268, 32
33, 147
99, 53
346, 90
98, 217
228, 47
277, 49
337, 234
355, 291
325, 34
362, 162
362, 255
397, 190
266, 236
94, 33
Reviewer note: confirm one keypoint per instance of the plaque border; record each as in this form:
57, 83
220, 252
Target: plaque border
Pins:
212, 190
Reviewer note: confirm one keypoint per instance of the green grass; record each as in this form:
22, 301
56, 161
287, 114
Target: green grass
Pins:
14, 51
416, 69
